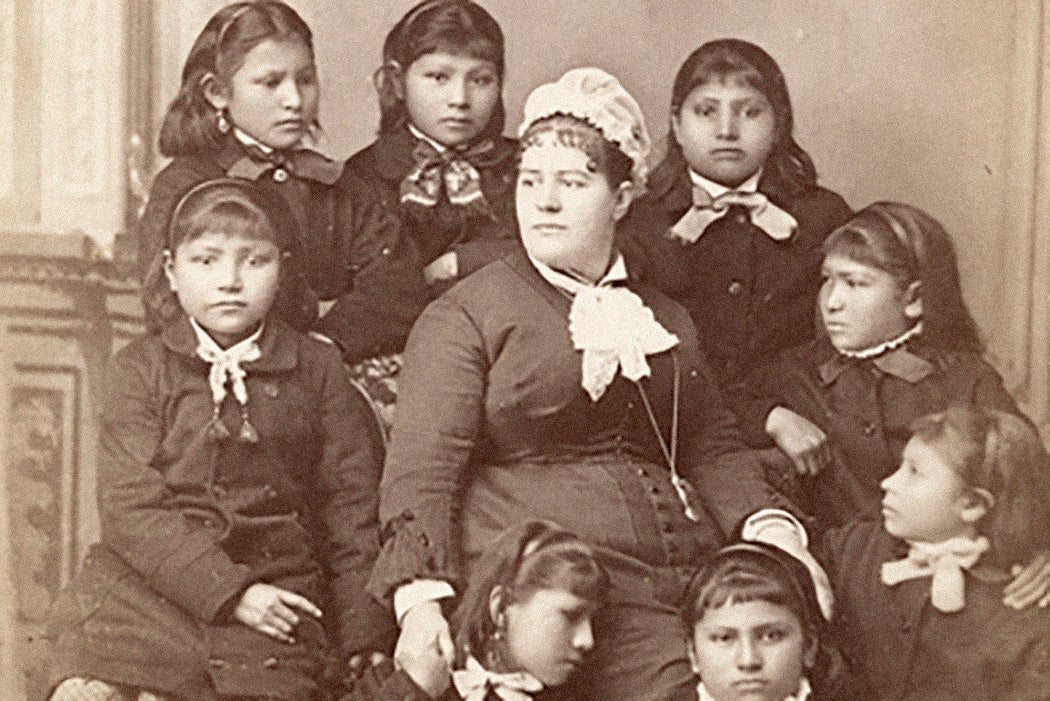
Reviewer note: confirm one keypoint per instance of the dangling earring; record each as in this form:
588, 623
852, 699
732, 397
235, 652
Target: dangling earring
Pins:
494, 652
221, 122
501, 626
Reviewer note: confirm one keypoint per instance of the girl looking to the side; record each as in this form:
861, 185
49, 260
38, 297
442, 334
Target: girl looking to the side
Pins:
523, 625
247, 107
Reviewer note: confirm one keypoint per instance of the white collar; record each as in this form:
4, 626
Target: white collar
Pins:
248, 140
885, 346
717, 189
616, 273
804, 690
205, 339
414, 131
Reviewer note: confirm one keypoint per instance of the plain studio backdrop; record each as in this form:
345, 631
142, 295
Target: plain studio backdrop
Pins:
942, 104
935, 104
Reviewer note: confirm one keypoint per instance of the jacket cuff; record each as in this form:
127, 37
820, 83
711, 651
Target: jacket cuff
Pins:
408, 554
417, 592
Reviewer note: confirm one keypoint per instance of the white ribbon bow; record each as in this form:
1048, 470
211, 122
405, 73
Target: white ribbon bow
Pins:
778, 224
944, 562
611, 325
226, 363
474, 682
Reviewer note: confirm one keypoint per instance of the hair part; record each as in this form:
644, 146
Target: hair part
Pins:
747, 572
457, 27
1002, 454
912, 246
604, 156
526, 558
190, 125
740, 579
233, 207
723, 61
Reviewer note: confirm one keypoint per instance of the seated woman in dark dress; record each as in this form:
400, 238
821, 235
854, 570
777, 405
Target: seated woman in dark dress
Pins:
550, 385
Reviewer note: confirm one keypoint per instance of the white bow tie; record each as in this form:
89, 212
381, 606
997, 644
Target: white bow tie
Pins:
474, 682
778, 224
226, 366
944, 562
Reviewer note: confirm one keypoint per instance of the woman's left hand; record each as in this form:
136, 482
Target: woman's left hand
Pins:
1031, 583
444, 267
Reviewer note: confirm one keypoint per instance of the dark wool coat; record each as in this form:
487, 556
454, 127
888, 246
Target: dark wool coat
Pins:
750, 296
312, 273
493, 428
910, 651
385, 249
188, 522
866, 414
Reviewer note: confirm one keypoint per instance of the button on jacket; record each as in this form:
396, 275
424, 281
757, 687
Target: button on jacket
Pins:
188, 522
493, 428
749, 296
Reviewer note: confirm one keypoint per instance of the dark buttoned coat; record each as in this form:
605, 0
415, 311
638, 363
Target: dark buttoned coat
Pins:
189, 522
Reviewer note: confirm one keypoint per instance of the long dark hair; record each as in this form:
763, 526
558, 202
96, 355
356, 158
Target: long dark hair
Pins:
525, 558
787, 165
457, 27
912, 246
190, 126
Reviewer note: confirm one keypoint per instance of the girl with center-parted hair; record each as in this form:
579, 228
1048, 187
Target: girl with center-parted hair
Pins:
438, 178
551, 385
237, 484
734, 219
247, 107
522, 630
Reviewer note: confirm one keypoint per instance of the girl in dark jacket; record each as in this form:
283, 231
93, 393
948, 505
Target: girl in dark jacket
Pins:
431, 200
247, 108
237, 486
734, 219
522, 628
899, 343
919, 592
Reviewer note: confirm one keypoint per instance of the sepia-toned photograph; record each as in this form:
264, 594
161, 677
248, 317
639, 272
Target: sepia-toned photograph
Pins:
397, 350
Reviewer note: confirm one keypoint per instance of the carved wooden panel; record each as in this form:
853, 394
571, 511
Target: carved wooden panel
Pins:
60, 319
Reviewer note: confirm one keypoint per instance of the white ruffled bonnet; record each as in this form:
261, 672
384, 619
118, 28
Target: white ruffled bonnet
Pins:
596, 97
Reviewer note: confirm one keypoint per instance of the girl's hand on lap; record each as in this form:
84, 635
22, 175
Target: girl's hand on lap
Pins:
271, 610
1031, 583
801, 439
